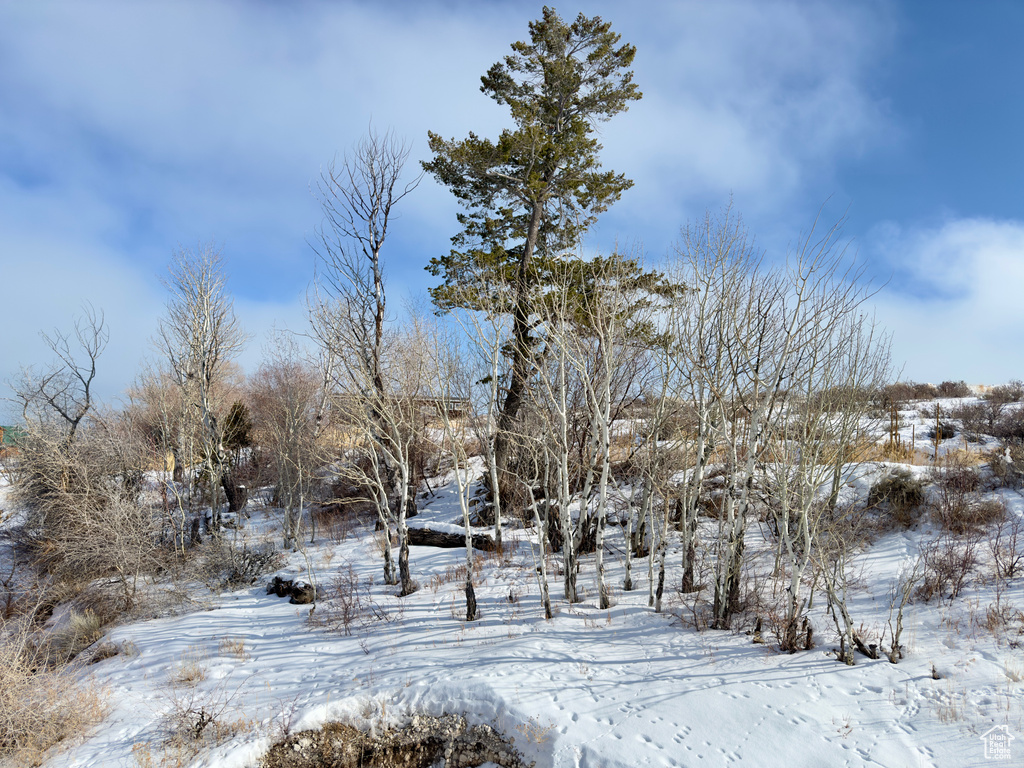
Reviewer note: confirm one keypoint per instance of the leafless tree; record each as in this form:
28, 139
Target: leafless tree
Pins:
63, 391
348, 312
286, 395
358, 197
554, 402
815, 435
732, 319
83, 517
610, 324
775, 362
450, 387
79, 470
486, 333
200, 335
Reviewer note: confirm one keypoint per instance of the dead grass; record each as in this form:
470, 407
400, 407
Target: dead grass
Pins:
191, 669
235, 647
900, 453
82, 630
196, 720
535, 732
40, 706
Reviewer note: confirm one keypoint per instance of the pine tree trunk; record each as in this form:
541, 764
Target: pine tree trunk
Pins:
520, 373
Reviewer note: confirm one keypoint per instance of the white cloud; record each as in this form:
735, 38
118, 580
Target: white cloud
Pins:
128, 128
955, 306
753, 98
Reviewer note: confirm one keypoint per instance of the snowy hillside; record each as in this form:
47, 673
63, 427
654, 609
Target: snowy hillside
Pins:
619, 687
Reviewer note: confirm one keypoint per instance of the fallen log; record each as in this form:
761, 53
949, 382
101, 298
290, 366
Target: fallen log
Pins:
426, 537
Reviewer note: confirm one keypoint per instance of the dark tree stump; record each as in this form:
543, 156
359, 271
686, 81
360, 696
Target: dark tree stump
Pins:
237, 495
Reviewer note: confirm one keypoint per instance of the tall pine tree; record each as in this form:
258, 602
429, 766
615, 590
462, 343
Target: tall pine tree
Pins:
530, 195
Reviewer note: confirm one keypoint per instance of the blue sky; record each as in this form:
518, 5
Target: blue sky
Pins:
129, 129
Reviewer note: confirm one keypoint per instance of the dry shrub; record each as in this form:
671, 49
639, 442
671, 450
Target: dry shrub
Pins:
972, 516
222, 566
199, 719
944, 430
948, 563
1001, 619
903, 391
337, 521
898, 392
82, 630
1013, 392
965, 457
978, 419
1010, 427
83, 518
233, 646
343, 608
1007, 547
901, 493
191, 670
425, 742
109, 650
954, 389
957, 508
901, 453
40, 706
956, 475
1007, 464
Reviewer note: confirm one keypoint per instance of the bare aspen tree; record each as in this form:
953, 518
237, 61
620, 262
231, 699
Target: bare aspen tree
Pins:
769, 358
542, 521
450, 387
597, 325
839, 362
158, 404
349, 308
731, 318
286, 394
866, 368
713, 257
200, 335
486, 332
389, 430
900, 593
839, 356
554, 401
832, 561
611, 317
658, 462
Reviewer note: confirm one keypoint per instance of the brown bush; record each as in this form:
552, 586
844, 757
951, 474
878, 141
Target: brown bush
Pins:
954, 389
40, 706
974, 516
1007, 465
83, 517
1010, 427
977, 419
901, 494
1007, 547
1013, 392
337, 521
948, 562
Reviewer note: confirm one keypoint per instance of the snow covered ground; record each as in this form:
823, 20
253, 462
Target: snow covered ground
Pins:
620, 687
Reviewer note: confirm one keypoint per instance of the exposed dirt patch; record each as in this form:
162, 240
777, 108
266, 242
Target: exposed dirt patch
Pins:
424, 743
